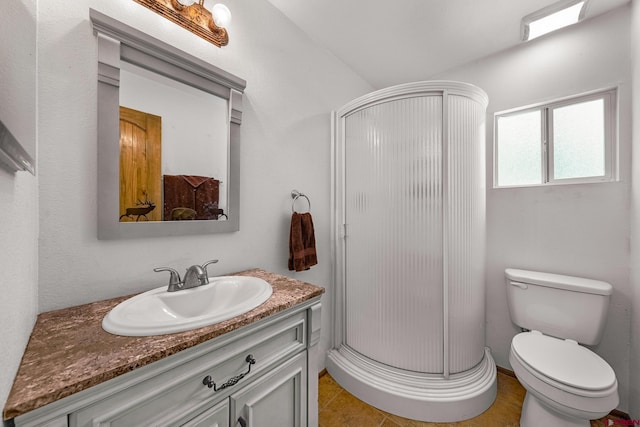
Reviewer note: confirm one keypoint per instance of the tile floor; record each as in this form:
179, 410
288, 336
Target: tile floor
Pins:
339, 408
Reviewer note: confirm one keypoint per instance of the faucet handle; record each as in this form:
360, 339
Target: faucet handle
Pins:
174, 280
205, 265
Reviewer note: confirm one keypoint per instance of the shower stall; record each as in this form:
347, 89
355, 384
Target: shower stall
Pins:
409, 202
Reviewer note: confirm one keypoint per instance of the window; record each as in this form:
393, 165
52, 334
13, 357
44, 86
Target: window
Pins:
568, 141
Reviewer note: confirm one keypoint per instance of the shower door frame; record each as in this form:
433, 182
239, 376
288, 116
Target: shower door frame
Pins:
339, 117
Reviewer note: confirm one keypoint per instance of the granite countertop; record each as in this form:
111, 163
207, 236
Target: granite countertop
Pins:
68, 350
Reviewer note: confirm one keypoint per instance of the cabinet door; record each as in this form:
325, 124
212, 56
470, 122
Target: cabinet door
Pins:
278, 399
218, 416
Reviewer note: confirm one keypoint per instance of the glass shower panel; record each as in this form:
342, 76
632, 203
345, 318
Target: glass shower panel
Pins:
393, 249
465, 229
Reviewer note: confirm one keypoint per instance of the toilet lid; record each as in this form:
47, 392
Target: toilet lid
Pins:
564, 361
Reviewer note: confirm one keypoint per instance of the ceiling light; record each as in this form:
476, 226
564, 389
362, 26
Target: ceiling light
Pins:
551, 18
195, 17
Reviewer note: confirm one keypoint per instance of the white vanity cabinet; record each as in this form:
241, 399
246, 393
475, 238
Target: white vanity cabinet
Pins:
278, 390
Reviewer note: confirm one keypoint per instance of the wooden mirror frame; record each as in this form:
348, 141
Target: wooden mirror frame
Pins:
119, 42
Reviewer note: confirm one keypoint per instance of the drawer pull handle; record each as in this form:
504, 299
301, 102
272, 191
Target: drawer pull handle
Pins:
208, 381
242, 422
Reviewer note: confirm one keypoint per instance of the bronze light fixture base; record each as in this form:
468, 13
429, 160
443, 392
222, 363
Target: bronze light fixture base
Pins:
195, 18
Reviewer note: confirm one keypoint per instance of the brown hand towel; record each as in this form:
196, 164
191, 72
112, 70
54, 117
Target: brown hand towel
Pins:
302, 242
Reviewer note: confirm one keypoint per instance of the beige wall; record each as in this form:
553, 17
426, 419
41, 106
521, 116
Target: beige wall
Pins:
580, 230
634, 363
18, 192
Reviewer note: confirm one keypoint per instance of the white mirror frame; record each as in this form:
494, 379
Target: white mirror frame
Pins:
119, 42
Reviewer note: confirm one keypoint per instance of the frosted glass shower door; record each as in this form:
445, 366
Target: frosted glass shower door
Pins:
393, 201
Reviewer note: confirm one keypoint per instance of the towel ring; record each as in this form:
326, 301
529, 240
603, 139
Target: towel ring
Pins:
295, 195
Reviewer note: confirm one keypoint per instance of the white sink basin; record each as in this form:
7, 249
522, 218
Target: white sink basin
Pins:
159, 312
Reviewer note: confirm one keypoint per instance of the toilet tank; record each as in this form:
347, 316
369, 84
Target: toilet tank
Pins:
558, 305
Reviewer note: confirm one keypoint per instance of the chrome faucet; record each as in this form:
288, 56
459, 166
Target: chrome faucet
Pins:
196, 275
175, 284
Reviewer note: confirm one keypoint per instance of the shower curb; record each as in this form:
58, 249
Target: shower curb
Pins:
423, 397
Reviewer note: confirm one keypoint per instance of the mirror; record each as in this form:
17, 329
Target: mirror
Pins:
168, 138
179, 170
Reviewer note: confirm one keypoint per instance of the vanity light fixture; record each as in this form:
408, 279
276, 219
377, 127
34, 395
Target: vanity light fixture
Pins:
553, 17
195, 17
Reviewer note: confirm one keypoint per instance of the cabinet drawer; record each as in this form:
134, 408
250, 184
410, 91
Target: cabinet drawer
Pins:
173, 392
218, 416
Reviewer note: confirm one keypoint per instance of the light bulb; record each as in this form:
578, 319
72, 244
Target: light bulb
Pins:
221, 15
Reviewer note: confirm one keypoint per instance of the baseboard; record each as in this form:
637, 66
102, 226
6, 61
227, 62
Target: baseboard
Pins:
619, 414
322, 373
615, 413
505, 371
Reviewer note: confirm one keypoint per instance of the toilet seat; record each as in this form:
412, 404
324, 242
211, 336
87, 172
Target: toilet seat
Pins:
564, 362
563, 399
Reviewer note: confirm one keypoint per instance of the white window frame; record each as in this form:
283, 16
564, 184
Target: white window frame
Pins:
610, 99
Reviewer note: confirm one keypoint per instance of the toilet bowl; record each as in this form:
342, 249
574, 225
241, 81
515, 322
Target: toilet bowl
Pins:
567, 384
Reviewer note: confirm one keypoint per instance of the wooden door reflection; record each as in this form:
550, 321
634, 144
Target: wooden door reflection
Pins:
140, 166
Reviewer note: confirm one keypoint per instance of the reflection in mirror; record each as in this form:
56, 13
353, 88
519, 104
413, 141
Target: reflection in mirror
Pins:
168, 138
174, 149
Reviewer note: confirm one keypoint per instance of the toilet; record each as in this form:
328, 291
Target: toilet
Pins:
567, 384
